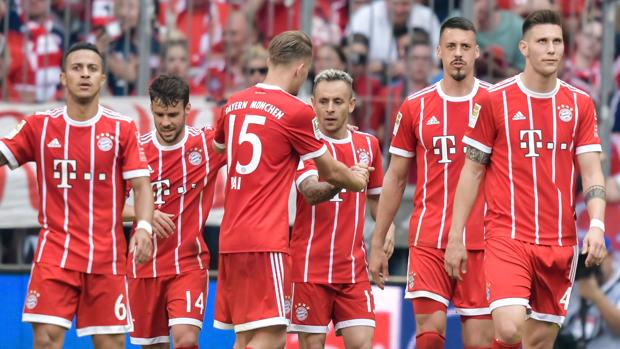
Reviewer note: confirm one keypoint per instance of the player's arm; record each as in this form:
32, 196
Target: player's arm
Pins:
391, 195
3, 160
465, 196
140, 242
129, 214
388, 245
593, 182
339, 175
316, 192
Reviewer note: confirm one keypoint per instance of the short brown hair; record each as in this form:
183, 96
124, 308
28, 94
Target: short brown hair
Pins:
290, 46
541, 17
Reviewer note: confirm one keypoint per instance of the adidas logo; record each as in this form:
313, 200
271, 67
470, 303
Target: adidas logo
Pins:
54, 143
432, 121
518, 116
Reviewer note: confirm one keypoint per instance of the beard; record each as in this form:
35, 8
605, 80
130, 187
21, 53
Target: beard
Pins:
459, 75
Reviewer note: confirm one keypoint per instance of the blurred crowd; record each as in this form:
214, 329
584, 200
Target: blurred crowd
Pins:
219, 46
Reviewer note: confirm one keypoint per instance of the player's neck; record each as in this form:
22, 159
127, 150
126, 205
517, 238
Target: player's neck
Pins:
455, 88
537, 82
82, 111
342, 133
280, 78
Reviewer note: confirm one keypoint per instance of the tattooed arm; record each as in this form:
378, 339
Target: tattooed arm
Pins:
464, 199
316, 192
593, 182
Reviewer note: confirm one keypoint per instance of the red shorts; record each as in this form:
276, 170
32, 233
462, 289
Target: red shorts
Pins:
250, 290
99, 302
540, 277
162, 302
427, 278
315, 305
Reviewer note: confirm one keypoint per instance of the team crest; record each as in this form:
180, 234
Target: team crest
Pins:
105, 141
32, 299
399, 117
301, 311
195, 156
565, 113
473, 117
363, 157
287, 305
410, 281
16, 130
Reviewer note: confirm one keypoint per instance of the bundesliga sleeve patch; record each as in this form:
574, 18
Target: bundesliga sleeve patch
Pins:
16, 130
399, 117
315, 127
473, 117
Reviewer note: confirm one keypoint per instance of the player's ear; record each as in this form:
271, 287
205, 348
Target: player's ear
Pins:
63, 79
523, 47
188, 107
352, 103
477, 51
438, 52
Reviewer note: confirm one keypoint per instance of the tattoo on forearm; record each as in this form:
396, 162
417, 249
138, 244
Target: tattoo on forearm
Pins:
595, 191
317, 192
478, 156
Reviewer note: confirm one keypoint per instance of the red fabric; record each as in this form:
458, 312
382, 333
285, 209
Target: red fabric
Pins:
96, 300
191, 164
427, 306
82, 195
530, 182
432, 136
275, 17
268, 131
427, 278
316, 257
317, 304
429, 340
181, 299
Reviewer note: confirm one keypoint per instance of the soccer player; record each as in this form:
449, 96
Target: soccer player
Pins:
530, 132
184, 169
329, 273
84, 154
266, 130
429, 127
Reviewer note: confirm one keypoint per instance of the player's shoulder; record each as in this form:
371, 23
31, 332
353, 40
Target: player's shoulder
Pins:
53, 113
582, 96
147, 137
365, 137
425, 92
504, 85
114, 115
483, 86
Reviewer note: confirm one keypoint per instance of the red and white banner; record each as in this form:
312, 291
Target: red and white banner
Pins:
18, 189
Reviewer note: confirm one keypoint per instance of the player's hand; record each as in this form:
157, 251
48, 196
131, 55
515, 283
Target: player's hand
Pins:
589, 288
352, 127
455, 259
388, 245
594, 247
141, 245
378, 265
163, 226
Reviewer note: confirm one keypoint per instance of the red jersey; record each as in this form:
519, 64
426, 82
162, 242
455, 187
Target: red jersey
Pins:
430, 126
533, 139
327, 244
183, 180
82, 167
265, 131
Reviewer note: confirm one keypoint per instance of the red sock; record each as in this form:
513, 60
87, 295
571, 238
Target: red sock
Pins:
429, 340
497, 344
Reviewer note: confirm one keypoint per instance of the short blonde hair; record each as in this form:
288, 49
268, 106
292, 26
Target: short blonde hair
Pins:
254, 52
289, 46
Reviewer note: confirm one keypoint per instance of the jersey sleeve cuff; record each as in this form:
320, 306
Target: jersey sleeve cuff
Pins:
8, 154
136, 173
588, 148
218, 145
401, 152
314, 154
305, 176
474, 143
374, 191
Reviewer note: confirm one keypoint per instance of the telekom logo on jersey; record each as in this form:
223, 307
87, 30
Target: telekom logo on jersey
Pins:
447, 146
532, 140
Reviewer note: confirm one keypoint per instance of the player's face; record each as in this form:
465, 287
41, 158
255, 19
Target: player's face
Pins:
176, 61
169, 121
458, 52
333, 102
83, 76
543, 48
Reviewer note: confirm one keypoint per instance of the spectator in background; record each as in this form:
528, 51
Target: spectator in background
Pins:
499, 33
367, 88
385, 20
122, 53
175, 61
595, 298
327, 56
44, 35
582, 68
254, 63
612, 183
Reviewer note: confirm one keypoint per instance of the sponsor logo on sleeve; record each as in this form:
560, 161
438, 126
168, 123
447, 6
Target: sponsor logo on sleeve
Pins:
315, 128
399, 117
16, 130
473, 117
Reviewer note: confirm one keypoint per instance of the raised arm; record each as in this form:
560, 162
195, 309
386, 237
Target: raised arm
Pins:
339, 175
593, 183
316, 192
